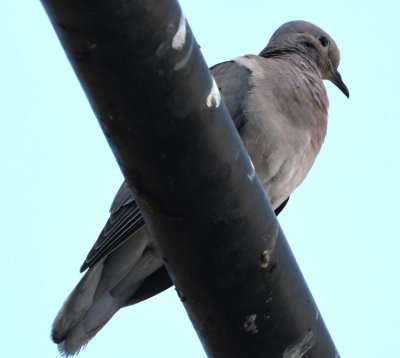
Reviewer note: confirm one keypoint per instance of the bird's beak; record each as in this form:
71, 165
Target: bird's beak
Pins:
337, 81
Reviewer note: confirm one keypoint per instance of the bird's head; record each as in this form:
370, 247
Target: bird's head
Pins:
305, 38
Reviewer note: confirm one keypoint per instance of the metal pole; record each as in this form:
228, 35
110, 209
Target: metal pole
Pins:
172, 136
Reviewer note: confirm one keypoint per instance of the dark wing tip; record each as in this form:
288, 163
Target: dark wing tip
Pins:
84, 267
281, 207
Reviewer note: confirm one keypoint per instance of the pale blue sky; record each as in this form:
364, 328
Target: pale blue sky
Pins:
59, 177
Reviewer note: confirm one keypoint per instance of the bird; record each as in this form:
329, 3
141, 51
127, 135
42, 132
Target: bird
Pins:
279, 105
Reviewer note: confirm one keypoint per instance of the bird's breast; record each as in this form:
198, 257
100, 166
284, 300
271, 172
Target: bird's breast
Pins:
286, 120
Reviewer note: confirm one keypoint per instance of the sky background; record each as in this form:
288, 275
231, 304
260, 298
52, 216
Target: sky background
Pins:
58, 178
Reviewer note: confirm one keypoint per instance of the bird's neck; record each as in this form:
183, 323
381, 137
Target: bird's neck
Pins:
300, 63
307, 93
304, 54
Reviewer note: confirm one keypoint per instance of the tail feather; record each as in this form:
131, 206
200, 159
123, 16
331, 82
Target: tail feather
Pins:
82, 316
103, 290
94, 320
77, 302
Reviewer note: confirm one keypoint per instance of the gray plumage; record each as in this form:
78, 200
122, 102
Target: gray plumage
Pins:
279, 105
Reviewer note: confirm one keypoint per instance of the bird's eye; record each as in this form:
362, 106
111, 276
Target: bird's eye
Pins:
323, 40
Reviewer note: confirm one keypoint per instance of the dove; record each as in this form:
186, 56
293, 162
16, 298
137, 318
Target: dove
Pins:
279, 105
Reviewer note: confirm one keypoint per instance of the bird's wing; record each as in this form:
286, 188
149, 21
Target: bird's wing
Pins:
233, 82
125, 219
